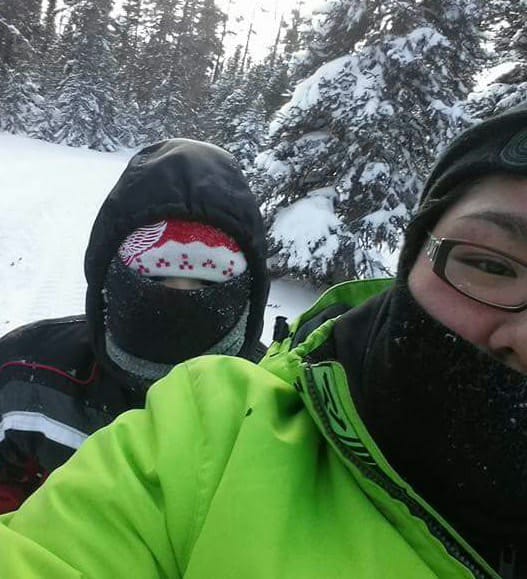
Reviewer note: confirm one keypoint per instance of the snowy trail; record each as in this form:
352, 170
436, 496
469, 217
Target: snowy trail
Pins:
60, 285
49, 196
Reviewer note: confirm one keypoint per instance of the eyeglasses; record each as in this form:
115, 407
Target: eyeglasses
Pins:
479, 272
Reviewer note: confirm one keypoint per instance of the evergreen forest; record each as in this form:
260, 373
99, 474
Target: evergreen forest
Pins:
335, 128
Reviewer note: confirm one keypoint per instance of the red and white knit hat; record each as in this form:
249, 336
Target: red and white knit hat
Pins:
176, 248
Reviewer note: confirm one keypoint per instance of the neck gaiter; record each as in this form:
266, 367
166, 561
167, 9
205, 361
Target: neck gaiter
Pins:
451, 420
166, 326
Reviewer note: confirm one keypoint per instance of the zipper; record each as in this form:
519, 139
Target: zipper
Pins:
395, 491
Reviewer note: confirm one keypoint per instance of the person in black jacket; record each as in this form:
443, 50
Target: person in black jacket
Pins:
176, 268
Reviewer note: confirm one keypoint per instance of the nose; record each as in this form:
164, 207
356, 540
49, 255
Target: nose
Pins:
508, 341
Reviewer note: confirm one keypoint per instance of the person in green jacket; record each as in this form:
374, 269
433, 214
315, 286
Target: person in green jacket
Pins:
383, 435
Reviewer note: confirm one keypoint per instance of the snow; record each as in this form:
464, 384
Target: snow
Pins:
314, 137
412, 46
490, 75
308, 229
382, 216
266, 161
373, 171
383, 261
50, 197
455, 112
307, 93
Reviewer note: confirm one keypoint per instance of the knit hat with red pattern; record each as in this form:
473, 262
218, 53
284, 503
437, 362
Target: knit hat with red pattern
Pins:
177, 248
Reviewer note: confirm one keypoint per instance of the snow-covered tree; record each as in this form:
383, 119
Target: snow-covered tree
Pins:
198, 46
176, 65
158, 55
361, 131
248, 134
20, 103
20, 31
227, 82
236, 115
85, 105
505, 83
129, 44
49, 32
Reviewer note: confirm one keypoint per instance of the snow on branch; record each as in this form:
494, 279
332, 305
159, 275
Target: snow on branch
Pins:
16, 32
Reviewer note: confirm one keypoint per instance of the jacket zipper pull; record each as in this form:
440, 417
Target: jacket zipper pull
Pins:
507, 568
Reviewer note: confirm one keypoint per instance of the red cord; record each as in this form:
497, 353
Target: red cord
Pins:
35, 366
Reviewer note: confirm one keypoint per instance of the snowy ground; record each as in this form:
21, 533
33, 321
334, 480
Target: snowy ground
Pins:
49, 196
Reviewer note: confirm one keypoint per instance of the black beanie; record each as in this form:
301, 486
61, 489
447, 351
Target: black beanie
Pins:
497, 145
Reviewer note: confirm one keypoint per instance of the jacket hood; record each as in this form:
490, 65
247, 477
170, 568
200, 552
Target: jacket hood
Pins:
182, 179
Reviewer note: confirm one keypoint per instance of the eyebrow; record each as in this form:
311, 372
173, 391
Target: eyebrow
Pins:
513, 224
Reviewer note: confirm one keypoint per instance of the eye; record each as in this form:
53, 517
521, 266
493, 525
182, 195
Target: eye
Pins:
489, 264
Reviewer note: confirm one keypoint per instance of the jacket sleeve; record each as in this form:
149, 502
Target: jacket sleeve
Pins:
20, 471
135, 495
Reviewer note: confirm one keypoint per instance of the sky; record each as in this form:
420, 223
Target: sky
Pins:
50, 196
266, 15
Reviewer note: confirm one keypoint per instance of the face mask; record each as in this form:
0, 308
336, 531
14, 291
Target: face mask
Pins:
166, 325
450, 418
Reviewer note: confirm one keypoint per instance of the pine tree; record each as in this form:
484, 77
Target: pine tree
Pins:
20, 31
211, 117
129, 45
157, 55
20, 67
160, 95
235, 116
20, 104
245, 96
198, 46
85, 104
506, 29
363, 128
249, 134
278, 62
177, 64
49, 32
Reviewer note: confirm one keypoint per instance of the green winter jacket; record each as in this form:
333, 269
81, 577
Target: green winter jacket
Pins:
236, 471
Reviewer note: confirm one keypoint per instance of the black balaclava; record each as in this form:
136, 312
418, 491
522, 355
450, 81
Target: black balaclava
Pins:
159, 324
151, 327
448, 416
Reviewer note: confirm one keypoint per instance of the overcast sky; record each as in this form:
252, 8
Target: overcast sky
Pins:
267, 14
